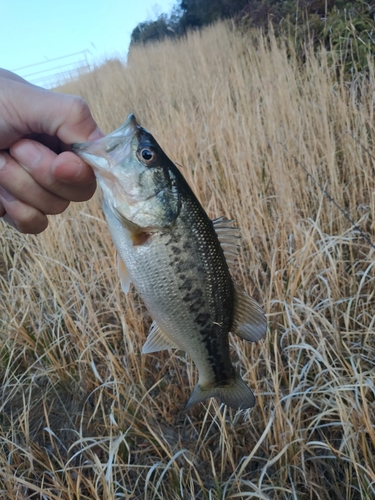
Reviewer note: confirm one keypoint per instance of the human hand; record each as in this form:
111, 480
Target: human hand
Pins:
38, 173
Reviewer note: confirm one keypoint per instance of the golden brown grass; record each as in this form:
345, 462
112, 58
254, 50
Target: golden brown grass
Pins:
84, 415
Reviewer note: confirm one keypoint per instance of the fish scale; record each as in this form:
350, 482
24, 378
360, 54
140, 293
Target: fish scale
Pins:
170, 250
164, 278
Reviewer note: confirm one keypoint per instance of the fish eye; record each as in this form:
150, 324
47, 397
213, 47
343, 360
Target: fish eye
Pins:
147, 155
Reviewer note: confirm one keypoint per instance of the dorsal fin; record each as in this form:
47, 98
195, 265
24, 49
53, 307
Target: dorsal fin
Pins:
157, 340
250, 322
229, 238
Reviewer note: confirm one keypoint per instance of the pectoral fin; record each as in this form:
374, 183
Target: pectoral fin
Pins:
123, 275
249, 320
157, 340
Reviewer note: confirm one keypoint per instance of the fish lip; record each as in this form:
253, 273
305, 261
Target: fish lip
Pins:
103, 146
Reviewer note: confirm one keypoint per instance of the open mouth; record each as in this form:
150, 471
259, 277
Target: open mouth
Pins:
105, 152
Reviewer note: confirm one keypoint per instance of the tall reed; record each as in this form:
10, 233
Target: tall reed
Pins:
84, 415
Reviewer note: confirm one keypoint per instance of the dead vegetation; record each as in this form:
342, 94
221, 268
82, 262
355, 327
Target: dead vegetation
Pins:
84, 415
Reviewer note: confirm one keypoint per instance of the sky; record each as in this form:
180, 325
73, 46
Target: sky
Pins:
40, 30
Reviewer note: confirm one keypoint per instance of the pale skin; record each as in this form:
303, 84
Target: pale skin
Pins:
39, 175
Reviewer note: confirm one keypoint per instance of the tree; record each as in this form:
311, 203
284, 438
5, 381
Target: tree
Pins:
198, 13
152, 31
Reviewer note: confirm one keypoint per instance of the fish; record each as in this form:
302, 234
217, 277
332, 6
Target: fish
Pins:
178, 259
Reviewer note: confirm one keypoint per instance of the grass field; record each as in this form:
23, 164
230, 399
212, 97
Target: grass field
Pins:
84, 415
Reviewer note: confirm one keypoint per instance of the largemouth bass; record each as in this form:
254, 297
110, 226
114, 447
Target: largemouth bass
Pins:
177, 258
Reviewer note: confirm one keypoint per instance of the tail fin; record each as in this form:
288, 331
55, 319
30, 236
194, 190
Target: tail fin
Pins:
237, 395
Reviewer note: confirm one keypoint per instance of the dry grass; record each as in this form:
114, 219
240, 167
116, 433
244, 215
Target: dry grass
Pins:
85, 416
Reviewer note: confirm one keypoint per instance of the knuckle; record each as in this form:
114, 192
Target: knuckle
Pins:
79, 107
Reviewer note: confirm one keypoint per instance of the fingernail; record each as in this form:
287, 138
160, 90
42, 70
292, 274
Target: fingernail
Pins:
67, 168
28, 154
74, 169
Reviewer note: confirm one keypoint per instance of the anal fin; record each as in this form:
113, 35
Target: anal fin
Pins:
157, 340
250, 322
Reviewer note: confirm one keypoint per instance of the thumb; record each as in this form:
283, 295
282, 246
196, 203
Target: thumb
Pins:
70, 119
32, 109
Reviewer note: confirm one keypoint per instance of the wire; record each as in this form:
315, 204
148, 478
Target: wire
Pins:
330, 197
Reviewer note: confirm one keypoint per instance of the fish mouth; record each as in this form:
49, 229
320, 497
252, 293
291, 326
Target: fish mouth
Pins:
103, 153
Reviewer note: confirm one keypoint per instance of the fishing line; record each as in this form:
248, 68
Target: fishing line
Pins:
330, 197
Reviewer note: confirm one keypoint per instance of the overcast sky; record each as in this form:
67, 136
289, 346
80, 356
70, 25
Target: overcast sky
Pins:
40, 30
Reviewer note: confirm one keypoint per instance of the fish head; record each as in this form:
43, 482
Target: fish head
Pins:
136, 176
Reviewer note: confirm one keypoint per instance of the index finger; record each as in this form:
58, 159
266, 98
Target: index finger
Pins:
65, 175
